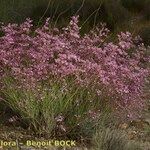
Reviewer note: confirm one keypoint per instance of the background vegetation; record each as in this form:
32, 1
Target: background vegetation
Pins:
132, 15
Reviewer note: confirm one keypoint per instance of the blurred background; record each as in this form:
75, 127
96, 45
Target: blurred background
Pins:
119, 15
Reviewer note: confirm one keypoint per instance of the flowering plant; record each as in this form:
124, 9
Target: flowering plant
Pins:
35, 55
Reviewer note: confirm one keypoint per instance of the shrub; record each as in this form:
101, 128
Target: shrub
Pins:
36, 61
36, 56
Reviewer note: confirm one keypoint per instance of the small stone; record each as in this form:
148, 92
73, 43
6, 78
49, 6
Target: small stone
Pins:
147, 121
123, 126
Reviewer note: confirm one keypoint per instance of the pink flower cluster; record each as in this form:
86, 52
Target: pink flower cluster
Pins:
37, 54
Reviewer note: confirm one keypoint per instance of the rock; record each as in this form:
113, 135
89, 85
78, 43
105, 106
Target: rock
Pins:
123, 126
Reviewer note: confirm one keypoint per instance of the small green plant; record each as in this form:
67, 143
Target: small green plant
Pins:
113, 139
